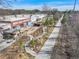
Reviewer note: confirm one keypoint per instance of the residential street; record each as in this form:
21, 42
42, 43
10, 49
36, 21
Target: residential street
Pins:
46, 50
6, 44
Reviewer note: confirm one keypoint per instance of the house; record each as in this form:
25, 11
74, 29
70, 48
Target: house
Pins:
14, 22
10, 24
37, 17
22, 25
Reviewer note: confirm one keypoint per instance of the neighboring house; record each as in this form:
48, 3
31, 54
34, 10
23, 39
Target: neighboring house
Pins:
19, 21
37, 17
10, 24
24, 23
14, 23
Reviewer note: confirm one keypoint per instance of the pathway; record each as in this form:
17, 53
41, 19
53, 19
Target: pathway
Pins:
46, 50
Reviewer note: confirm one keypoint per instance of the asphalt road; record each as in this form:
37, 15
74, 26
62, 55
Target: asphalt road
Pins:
6, 44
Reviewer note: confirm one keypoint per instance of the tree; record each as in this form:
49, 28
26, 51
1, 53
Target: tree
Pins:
51, 21
35, 11
6, 3
56, 14
63, 20
54, 11
46, 9
48, 22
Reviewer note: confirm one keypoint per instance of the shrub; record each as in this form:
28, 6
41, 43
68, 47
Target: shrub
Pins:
63, 20
33, 43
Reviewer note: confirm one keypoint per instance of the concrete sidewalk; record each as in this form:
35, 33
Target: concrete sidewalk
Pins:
46, 50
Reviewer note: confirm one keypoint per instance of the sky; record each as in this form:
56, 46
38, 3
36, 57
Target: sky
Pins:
37, 4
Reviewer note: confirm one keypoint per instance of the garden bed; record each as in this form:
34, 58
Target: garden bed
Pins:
36, 45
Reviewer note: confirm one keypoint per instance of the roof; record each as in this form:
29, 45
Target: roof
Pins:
14, 18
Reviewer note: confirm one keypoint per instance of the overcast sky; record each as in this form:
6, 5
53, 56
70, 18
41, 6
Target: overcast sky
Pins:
37, 4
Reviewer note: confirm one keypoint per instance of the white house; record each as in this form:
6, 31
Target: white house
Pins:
37, 17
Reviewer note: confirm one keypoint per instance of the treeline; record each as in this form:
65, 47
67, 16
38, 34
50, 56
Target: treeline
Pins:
12, 12
20, 11
23, 11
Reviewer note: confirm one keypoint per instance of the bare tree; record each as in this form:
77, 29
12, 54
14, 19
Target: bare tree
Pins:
45, 7
6, 3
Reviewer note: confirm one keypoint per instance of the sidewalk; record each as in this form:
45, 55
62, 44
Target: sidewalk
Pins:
46, 50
